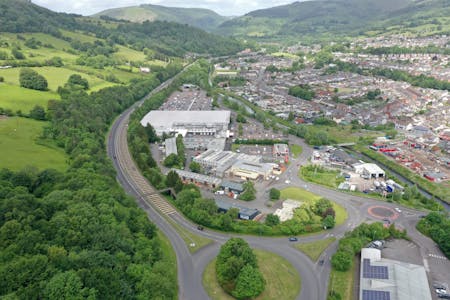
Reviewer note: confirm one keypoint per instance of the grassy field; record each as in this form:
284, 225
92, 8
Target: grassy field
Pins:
342, 282
314, 249
321, 176
20, 146
55, 77
296, 150
16, 98
308, 197
282, 280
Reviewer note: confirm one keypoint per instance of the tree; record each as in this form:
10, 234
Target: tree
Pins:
151, 134
172, 179
342, 261
249, 284
328, 222
249, 193
274, 194
30, 79
272, 220
37, 113
76, 79
17, 54
195, 167
65, 285
2, 79
241, 119
171, 161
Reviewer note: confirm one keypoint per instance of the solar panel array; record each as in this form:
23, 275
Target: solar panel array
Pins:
376, 295
374, 272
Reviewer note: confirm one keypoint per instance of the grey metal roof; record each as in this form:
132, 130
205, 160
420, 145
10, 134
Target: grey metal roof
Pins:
167, 119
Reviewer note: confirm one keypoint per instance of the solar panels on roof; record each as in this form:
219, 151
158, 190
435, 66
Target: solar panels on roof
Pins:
374, 272
375, 295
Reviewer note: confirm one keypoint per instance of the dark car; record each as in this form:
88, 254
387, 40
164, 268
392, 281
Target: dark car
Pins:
293, 239
200, 227
321, 262
444, 296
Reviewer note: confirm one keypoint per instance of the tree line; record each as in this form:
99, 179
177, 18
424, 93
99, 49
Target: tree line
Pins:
437, 226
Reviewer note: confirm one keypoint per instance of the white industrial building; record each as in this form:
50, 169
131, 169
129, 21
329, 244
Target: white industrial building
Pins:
388, 279
369, 170
206, 123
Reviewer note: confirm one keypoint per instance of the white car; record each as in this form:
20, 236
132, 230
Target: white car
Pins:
287, 181
441, 291
398, 210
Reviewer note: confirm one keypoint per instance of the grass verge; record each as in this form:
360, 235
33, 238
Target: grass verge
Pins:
169, 256
282, 280
343, 282
314, 249
296, 150
20, 146
190, 238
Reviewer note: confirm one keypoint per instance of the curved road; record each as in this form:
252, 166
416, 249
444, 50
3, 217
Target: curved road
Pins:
191, 266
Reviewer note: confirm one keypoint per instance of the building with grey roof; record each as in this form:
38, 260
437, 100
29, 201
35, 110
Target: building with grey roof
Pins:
245, 213
385, 279
191, 177
207, 123
171, 146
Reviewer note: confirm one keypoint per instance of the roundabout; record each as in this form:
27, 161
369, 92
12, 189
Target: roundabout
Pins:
382, 212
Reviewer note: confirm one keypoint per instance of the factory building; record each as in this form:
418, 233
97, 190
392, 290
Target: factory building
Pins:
369, 170
189, 123
251, 170
390, 279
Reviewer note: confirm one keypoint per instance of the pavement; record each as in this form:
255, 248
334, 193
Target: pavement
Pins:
314, 277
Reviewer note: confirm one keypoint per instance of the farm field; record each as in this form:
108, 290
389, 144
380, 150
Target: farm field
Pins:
55, 76
20, 146
16, 98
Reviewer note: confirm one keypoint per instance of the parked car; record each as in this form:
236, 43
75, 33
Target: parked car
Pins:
321, 262
200, 227
441, 291
398, 210
438, 285
293, 239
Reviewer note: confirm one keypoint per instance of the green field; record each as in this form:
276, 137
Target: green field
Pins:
17, 98
308, 198
55, 77
20, 146
314, 249
282, 280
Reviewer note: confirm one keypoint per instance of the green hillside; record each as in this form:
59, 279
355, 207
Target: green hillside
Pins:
202, 18
321, 19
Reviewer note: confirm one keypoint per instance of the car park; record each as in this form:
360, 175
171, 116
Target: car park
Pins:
293, 239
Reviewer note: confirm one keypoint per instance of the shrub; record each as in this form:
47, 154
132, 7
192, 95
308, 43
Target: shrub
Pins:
30, 79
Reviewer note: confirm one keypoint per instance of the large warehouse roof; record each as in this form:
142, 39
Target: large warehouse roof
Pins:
390, 279
166, 119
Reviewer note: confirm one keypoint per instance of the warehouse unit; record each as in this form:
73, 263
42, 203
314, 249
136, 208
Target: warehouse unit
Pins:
205, 123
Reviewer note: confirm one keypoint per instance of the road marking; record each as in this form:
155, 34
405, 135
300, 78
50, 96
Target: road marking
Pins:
437, 256
425, 264
411, 245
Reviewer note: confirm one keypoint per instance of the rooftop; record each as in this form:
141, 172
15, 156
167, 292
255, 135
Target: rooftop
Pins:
391, 279
167, 119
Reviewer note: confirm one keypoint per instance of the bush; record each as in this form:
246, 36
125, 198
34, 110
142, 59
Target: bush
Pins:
76, 79
274, 194
2, 79
342, 261
30, 79
37, 113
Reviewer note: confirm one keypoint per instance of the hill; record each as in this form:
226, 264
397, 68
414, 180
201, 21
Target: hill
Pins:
319, 19
202, 18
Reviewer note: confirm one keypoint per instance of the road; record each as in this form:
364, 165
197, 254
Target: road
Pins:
191, 266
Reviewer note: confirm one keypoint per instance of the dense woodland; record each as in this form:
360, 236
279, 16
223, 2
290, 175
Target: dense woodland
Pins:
76, 235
